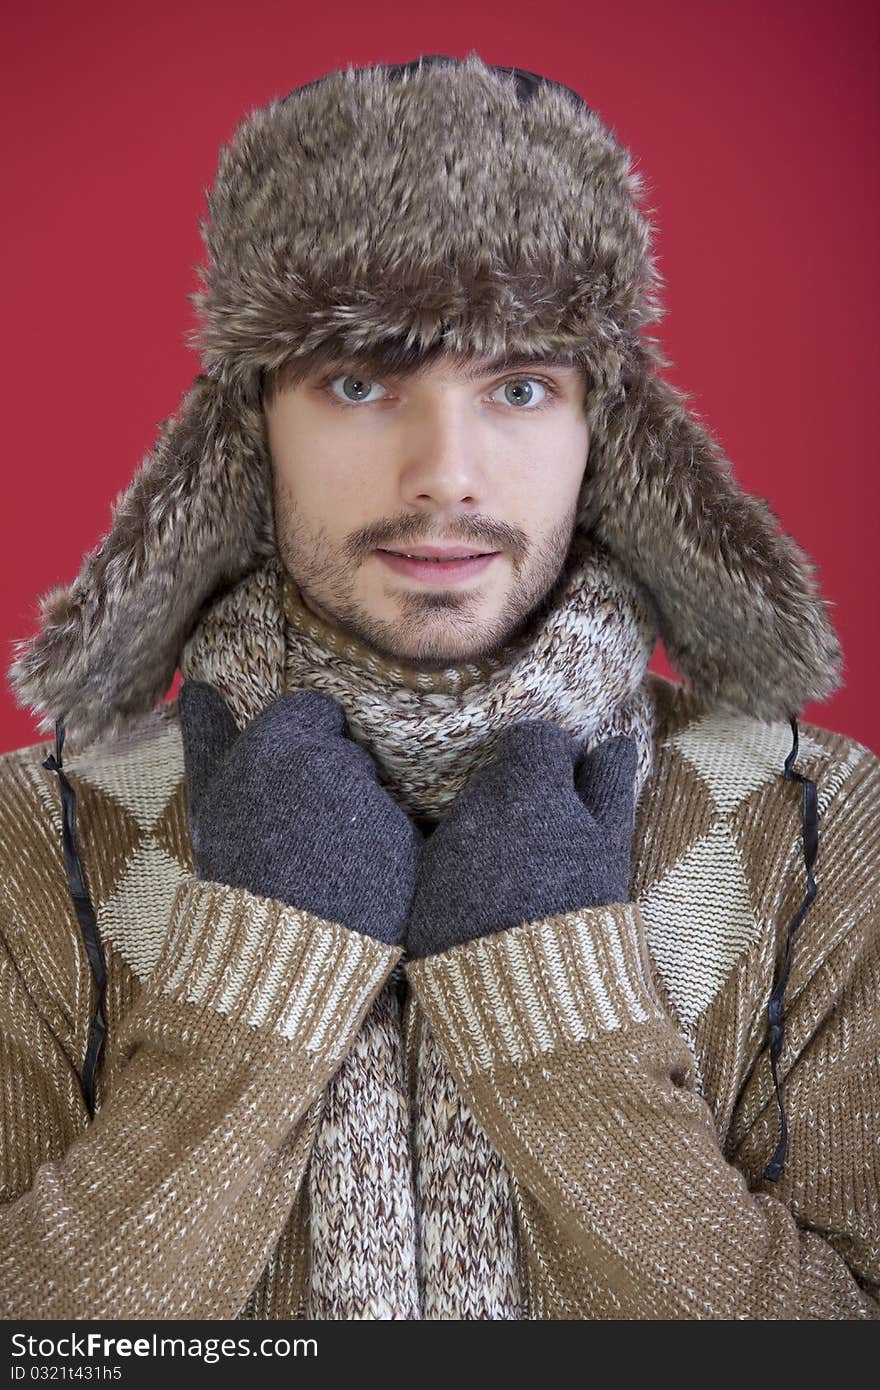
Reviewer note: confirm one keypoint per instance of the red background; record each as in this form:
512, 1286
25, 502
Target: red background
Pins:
756, 127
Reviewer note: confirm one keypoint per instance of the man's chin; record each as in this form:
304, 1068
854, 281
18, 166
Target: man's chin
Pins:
442, 640
435, 658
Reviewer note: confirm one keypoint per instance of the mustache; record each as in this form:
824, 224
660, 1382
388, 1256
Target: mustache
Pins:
496, 536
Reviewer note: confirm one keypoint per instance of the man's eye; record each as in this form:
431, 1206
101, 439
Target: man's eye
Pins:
520, 392
355, 388
523, 393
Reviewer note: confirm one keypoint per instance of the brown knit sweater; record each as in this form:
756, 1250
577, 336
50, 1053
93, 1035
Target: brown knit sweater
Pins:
616, 1057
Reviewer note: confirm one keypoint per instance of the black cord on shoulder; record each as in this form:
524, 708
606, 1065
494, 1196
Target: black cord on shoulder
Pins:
810, 814
85, 913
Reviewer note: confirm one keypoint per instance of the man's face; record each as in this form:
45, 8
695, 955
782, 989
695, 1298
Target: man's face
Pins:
459, 455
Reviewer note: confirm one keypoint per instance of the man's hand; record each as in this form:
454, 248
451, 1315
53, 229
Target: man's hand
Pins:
292, 808
536, 832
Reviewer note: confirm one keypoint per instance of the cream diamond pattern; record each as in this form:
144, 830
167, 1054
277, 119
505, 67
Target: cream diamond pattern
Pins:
143, 777
735, 754
698, 921
135, 918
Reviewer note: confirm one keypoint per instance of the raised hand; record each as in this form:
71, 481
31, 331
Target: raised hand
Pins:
537, 831
292, 808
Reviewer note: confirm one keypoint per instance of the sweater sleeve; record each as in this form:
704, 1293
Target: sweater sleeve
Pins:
169, 1203
556, 1036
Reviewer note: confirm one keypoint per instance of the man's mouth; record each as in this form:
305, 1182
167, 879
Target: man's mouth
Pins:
448, 565
439, 553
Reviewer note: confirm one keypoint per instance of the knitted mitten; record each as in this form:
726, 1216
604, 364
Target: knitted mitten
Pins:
535, 832
292, 808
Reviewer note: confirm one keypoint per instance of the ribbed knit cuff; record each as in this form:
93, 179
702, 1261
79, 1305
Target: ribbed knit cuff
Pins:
268, 965
520, 993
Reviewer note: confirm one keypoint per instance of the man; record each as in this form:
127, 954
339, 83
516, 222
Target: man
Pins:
428, 957
452, 455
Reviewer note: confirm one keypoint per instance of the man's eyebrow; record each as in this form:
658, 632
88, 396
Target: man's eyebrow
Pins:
505, 362
470, 370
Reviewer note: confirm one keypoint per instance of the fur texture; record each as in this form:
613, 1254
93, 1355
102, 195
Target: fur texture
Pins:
444, 202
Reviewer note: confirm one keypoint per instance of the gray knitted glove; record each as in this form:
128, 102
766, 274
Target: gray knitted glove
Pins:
535, 832
292, 808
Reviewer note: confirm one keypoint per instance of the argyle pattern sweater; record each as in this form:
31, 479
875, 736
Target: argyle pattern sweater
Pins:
616, 1057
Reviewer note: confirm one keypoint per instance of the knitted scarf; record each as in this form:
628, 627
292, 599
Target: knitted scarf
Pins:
411, 1213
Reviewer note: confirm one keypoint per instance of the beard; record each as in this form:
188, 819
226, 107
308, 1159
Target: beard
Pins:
433, 628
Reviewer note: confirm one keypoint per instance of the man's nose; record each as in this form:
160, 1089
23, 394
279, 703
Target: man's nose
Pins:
441, 459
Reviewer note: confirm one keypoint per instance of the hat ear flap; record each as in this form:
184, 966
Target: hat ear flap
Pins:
196, 515
739, 609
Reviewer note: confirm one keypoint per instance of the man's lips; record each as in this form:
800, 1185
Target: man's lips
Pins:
437, 552
436, 571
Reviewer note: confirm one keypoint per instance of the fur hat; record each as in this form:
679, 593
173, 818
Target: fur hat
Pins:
438, 205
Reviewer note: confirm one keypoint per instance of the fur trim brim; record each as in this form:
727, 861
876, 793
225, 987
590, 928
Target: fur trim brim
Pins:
196, 517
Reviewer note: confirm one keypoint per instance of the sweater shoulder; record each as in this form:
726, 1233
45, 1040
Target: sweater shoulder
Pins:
149, 735
718, 865
739, 758
721, 775
134, 778
132, 840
